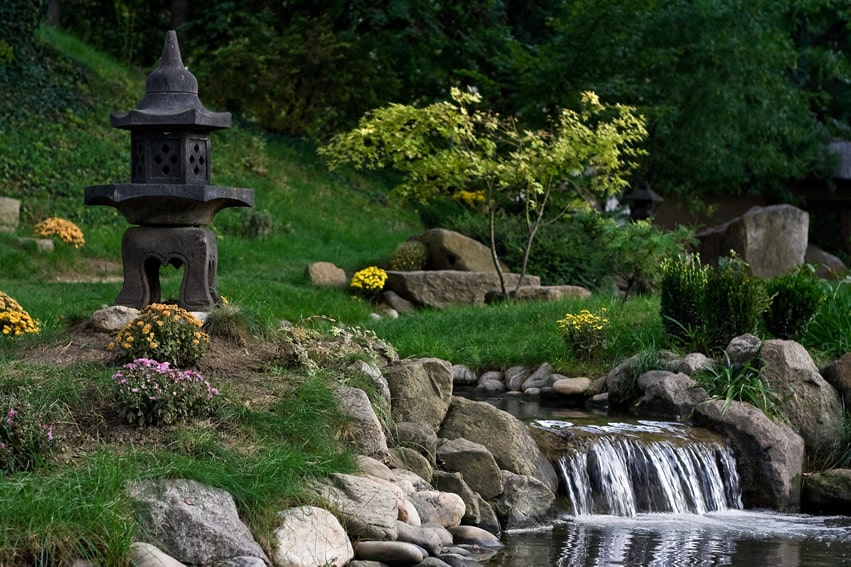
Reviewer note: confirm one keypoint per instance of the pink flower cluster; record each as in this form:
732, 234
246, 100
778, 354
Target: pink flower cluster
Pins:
152, 392
157, 379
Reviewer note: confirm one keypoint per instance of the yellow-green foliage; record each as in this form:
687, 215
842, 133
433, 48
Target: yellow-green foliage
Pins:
409, 256
584, 333
14, 320
161, 332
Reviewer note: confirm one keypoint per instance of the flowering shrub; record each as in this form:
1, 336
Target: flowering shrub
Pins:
369, 281
584, 333
26, 434
472, 199
63, 229
153, 393
14, 321
162, 332
409, 256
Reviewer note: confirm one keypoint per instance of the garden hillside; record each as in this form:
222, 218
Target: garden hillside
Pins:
55, 140
248, 400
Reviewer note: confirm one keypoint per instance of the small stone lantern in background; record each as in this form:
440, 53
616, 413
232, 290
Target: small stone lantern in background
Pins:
642, 203
169, 196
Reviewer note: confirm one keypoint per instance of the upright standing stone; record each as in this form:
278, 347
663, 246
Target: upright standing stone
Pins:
10, 212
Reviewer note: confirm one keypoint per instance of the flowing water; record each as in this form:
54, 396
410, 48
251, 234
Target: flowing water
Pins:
649, 493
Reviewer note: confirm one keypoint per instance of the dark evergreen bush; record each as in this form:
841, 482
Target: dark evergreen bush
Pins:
682, 297
733, 303
795, 299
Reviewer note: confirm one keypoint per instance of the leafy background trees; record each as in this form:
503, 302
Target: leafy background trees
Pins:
739, 96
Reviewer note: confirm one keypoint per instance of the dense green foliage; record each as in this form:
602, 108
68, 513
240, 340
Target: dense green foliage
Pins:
830, 330
795, 300
705, 307
682, 295
739, 95
454, 149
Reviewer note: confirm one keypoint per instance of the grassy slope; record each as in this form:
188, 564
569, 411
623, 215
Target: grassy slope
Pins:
318, 215
343, 218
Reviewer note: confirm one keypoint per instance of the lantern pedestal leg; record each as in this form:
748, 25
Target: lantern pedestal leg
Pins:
145, 249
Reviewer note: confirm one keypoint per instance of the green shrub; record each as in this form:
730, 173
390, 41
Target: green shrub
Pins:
153, 393
409, 256
635, 251
167, 333
26, 432
795, 300
251, 224
830, 330
733, 302
570, 251
706, 308
682, 295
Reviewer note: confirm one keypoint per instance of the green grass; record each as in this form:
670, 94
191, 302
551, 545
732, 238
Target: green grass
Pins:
497, 336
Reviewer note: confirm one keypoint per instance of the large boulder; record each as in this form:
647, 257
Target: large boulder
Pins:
773, 240
667, 395
444, 288
808, 401
450, 250
420, 390
419, 437
477, 511
475, 463
526, 502
310, 537
769, 455
827, 492
367, 507
827, 265
364, 433
838, 375
193, 523
506, 437
326, 274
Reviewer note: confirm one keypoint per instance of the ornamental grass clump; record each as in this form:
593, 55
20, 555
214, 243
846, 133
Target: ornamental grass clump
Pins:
26, 433
14, 320
369, 282
163, 332
153, 393
585, 333
65, 230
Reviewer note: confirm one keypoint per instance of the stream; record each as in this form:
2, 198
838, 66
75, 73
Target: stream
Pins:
647, 493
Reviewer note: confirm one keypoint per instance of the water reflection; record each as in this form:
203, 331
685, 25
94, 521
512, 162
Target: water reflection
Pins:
736, 538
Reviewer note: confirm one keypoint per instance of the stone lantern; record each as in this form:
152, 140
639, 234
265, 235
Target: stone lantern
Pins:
169, 195
643, 203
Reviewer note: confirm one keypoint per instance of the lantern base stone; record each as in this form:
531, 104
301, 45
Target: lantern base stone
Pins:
145, 249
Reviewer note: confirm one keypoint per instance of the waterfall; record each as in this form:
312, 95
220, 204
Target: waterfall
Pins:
651, 467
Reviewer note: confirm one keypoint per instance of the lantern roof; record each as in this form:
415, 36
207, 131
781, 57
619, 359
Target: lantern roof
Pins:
171, 98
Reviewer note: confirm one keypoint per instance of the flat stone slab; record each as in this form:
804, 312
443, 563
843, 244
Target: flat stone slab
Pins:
444, 288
